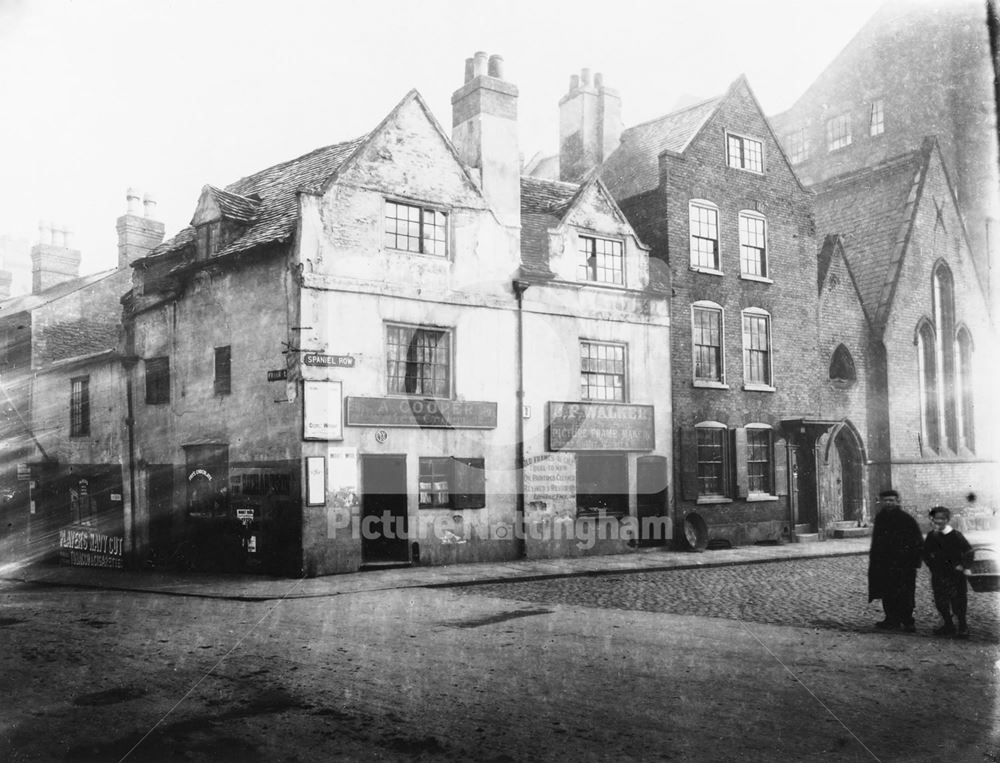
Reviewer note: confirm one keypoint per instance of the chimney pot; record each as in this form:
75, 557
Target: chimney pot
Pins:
468, 70
496, 66
58, 237
44, 233
574, 82
585, 77
598, 80
132, 197
480, 64
67, 237
149, 205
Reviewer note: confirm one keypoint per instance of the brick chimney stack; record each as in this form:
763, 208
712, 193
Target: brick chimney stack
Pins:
484, 132
590, 125
138, 232
53, 260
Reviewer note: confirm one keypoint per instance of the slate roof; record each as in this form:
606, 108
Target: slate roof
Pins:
872, 211
276, 187
634, 166
544, 203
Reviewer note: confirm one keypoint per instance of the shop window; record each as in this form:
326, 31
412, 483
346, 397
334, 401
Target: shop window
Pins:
157, 381
415, 229
601, 484
418, 361
223, 373
452, 483
602, 371
79, 407
600, 261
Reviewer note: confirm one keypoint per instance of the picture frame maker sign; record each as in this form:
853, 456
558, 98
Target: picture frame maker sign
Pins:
322, 410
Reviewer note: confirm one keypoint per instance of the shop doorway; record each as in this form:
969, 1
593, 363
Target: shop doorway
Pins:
651, 500
383, 509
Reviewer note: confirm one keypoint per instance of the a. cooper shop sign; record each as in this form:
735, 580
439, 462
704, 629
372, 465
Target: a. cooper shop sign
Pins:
425, 413
600, 426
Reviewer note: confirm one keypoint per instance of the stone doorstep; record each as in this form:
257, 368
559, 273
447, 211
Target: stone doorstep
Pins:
805, 537
844, 524
802, 529
852, 532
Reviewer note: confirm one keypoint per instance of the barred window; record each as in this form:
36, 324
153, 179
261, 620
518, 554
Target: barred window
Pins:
79, 407
745, 153
704, 222
415, 229
157, 381
602, 371
757, 347
753, 245
418, 361
601, 261
706, 328
838, 132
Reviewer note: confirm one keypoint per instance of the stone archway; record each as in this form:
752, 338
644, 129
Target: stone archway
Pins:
842, 485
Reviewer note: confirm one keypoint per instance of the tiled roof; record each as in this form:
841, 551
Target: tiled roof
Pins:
62, 341
26, 302
276, 188
235, 207
871, 210
543, 205
634, 166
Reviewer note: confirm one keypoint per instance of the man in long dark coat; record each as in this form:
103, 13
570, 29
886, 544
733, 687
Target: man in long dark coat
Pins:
893, 561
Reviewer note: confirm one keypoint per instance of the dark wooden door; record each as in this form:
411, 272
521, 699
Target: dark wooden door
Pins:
651, 500
383, 509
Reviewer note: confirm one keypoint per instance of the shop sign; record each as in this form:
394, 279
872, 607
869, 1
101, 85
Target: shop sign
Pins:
600, 426
322, 409
319, 359
82, 546
23, 472
425, 413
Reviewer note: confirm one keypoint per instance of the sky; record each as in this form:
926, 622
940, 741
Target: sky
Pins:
165, 96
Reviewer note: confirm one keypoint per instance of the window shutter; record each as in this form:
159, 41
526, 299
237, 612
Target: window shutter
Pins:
469, 483
740, 446
780, 466
689, 463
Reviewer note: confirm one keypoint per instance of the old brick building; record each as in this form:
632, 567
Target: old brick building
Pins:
710, 189
346, 358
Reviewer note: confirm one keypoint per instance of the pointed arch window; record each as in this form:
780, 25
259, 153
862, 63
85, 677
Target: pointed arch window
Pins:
927, 369
967, 432
842, 369
944, 320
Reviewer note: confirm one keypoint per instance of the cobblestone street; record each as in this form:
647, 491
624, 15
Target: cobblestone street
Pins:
820, 593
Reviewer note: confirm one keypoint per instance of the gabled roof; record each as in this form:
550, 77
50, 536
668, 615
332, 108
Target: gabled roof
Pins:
872, 210
28, 302
634, 166
544, 203
276, 188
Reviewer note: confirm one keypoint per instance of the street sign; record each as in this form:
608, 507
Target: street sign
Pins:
319, 359
278, 375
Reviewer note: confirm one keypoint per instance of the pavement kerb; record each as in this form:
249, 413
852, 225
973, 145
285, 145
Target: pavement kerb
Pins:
234, 588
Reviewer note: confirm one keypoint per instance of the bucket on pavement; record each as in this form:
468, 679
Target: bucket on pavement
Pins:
695, 532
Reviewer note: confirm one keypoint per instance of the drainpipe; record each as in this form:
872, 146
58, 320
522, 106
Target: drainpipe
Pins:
130, 427
519, 528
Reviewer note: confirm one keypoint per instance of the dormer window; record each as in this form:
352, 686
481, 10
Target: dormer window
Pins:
209, 236
415, 229
601, 260
745, 153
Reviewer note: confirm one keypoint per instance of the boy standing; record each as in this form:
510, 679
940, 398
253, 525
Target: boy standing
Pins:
949, 556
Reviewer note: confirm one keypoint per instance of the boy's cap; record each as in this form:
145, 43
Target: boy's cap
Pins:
943, 510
